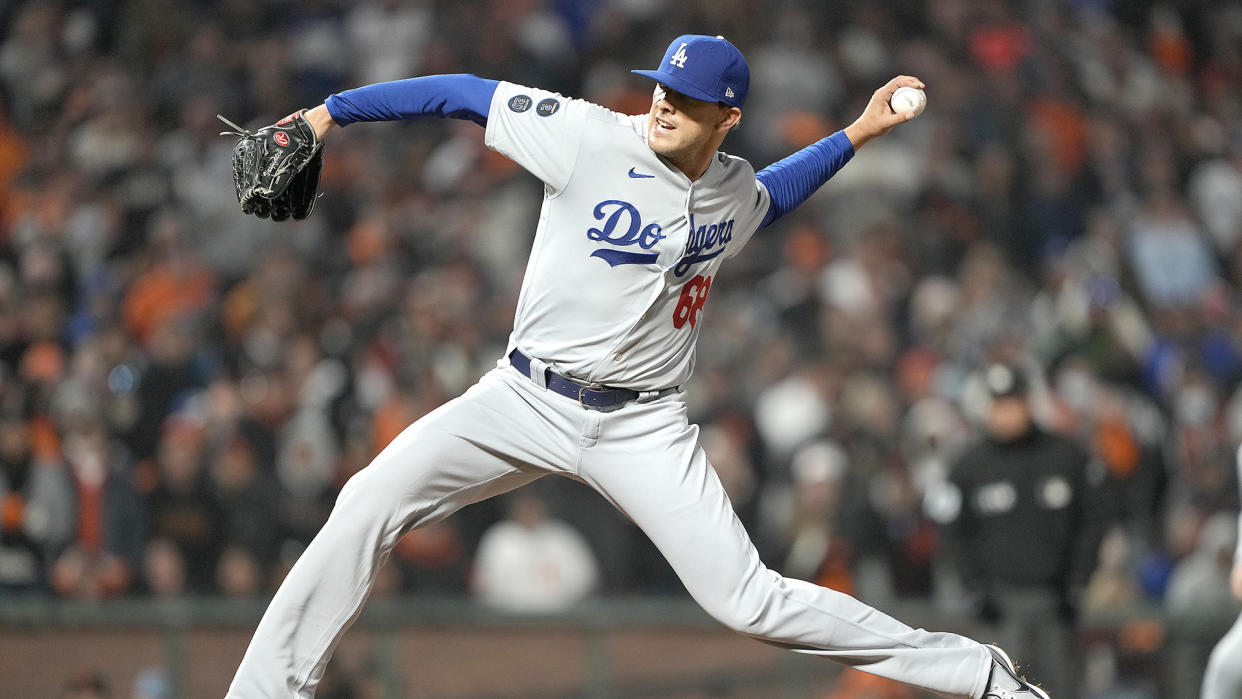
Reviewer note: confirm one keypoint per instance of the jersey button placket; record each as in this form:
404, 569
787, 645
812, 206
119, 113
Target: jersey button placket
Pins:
685, 213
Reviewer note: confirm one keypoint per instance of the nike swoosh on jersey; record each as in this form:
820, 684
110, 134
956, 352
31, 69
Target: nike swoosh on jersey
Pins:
637, 175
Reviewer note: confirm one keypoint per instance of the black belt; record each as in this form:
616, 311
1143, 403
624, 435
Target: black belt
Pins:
602, 398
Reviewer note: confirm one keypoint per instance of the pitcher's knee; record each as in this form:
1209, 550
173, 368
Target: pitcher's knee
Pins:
360, 486
749, 609
743, 621
365, 498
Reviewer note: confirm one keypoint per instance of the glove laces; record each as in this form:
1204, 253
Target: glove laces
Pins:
237, 130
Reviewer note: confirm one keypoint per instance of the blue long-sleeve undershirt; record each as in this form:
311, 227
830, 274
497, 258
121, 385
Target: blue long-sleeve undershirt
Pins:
459, 96
791, 180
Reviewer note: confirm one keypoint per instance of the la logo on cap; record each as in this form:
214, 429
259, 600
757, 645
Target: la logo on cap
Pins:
717, 73
679, 58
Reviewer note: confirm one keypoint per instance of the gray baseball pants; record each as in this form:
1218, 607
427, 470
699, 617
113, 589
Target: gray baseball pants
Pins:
1223, 677
507, 431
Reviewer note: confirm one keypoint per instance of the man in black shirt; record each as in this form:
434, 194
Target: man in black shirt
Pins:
1022, 518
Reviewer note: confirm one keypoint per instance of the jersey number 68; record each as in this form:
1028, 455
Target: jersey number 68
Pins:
693, 296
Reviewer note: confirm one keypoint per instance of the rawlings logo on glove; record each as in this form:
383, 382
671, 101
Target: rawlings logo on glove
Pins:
276, 169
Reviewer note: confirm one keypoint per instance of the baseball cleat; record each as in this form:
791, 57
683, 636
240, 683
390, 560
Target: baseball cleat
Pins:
1005, 683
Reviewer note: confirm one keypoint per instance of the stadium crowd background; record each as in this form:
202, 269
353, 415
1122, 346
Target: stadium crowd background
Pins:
184, 389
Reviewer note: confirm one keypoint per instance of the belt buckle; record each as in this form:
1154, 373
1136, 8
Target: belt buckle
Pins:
583, 388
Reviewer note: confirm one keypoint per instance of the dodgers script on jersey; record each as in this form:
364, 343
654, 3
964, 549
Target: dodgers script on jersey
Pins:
626, 246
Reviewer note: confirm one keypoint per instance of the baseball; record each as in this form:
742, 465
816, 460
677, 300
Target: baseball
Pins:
908, 99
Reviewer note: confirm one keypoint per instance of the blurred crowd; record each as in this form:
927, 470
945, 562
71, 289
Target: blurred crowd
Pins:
185, 389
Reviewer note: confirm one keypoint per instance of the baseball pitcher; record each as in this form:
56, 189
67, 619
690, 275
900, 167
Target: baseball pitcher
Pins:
639, 213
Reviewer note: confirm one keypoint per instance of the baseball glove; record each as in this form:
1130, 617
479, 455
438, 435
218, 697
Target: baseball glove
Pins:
276, 169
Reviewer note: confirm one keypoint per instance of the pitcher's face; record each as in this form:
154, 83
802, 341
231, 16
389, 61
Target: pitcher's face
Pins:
682, 128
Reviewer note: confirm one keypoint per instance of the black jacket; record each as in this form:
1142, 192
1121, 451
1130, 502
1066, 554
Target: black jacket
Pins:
1025, 513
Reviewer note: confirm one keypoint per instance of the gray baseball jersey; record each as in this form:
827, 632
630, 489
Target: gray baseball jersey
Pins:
626, 246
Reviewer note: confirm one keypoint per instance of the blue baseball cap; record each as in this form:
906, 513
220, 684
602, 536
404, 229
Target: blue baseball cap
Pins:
706, 68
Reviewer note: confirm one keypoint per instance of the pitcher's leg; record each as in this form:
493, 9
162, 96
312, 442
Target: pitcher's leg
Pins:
673, 494
452, 457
